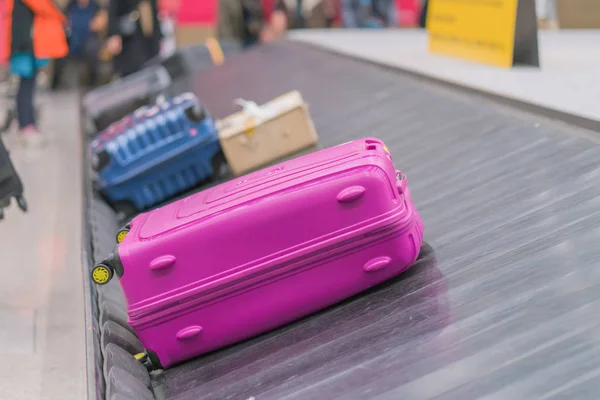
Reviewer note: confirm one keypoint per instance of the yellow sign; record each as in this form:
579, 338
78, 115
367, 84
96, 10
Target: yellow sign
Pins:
485, 31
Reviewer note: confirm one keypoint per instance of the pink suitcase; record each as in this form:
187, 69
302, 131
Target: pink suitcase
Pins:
262, 250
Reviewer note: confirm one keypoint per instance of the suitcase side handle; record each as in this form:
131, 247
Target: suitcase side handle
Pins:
189, 333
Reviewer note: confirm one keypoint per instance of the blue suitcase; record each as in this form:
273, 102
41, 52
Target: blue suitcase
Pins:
156, 153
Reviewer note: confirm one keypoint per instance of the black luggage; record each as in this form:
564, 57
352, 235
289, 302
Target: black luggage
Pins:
10, 183
187, 60
111, 102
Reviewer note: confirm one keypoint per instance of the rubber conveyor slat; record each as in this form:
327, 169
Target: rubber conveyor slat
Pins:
503, 302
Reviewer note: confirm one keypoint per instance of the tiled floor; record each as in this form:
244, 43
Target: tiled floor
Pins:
42, 347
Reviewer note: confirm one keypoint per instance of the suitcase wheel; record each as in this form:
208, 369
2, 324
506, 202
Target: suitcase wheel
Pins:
122, 233
141, 357
149, 359
219, 167
100, 160
195, 113
102, 274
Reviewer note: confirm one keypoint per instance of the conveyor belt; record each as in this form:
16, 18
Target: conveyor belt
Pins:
503, 301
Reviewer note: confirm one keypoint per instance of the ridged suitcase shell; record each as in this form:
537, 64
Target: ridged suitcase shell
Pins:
155, 153
265, 249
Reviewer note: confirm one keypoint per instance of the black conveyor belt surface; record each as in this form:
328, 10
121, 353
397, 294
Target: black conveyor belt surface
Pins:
503, 302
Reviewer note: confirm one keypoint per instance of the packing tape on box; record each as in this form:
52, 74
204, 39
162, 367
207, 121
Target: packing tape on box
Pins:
249, 107
254, 117
249, 129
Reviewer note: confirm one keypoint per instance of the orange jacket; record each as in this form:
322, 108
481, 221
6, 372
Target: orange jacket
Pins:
49, 39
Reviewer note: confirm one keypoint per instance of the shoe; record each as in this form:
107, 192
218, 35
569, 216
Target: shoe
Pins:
31, 137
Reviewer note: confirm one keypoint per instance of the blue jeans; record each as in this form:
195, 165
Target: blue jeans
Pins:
353, 15
25, 108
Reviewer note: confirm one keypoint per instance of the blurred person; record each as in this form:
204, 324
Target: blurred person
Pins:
34, 30
86, 22
243, 21
134, 34
368, 13
301, 14
423, 15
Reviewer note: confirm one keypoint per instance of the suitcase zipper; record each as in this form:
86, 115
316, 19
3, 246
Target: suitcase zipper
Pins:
361, 237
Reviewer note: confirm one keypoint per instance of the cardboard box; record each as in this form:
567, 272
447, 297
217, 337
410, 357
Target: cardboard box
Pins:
578, 14
256, 136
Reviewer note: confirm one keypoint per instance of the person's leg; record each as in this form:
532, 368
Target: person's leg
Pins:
392, 15
26, 114
58, 72
25, 108
423, 15
349, 14
91, 57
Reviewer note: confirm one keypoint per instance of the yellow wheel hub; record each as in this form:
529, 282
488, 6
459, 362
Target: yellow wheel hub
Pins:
101, 274
121, 235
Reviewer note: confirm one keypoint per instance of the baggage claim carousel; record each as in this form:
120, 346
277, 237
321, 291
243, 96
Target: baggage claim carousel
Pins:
502, 302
